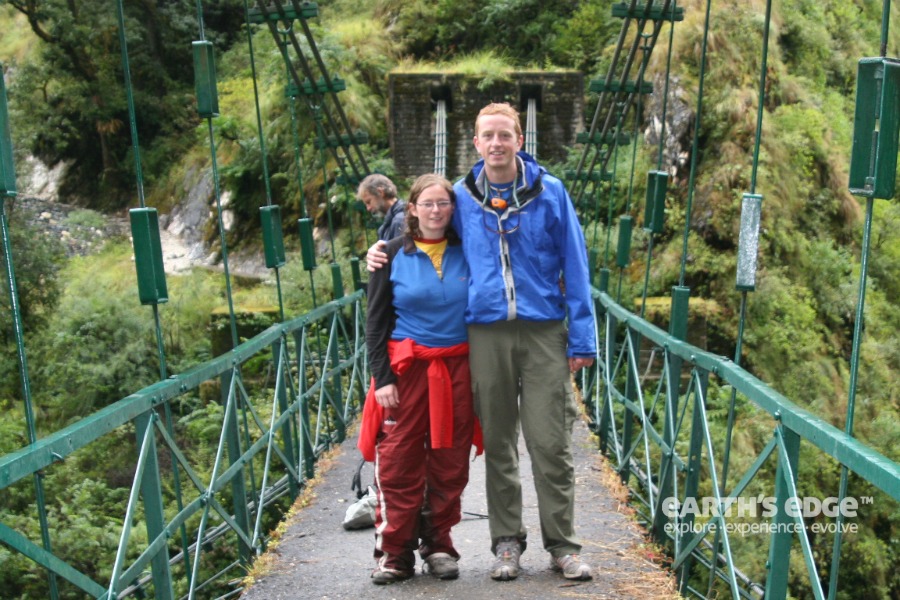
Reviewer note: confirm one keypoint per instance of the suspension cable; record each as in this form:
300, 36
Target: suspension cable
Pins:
695, 147
262, 145
858, 325
18, 328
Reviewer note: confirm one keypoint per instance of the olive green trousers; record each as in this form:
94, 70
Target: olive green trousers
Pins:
521, 379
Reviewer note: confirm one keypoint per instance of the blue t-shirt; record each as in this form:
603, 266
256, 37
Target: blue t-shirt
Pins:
430, 310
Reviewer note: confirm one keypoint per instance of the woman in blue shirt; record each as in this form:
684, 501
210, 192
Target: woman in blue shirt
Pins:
420, 407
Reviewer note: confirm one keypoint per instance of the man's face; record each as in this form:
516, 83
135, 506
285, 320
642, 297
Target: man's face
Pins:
497, 141
374, 203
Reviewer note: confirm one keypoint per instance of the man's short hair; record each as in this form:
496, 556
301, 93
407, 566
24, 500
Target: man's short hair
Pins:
500, 108
378, 185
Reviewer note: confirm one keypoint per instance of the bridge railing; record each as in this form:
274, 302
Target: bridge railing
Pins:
201, 503
652, 412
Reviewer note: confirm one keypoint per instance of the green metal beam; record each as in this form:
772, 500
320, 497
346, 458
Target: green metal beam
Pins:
872, 466
623, 10
16, 541
57, 446
308, 10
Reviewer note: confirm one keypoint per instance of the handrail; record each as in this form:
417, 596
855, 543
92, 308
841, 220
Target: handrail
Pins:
659, 438
869, 464
57, 446
321, 375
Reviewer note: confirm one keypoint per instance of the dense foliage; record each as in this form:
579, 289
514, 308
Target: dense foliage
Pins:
74, 102
91, 344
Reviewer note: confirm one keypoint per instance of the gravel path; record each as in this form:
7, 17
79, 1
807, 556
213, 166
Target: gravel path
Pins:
317, 558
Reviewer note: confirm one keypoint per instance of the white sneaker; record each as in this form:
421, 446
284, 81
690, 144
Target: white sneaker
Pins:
571, 566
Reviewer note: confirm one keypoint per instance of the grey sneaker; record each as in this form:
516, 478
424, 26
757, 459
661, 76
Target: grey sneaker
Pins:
391, 569
441, 565
506, 562
571, 566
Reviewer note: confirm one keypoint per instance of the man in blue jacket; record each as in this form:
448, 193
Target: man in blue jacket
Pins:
530, 323
528, 262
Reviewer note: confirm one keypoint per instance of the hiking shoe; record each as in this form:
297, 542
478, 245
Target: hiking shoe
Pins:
506, 561
441, 565
571, 566
388, 571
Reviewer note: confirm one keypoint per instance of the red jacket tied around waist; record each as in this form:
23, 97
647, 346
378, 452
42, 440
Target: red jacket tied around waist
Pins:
440, 403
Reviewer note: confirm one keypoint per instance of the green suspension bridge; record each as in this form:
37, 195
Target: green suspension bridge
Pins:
196, 527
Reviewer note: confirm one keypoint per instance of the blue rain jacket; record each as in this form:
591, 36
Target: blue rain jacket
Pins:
538, 269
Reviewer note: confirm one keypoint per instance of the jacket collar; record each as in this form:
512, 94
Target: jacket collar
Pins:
528, 177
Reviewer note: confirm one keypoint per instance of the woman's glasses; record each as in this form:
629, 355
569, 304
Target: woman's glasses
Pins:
443, 205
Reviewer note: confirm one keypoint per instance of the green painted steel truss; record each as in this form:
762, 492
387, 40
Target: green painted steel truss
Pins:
193, 505
650, 398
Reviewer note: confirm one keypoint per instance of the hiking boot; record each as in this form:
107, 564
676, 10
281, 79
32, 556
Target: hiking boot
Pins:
390, 570
506, 561
441, 565
571, 566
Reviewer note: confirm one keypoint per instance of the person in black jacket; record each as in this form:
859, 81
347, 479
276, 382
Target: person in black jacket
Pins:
379, 194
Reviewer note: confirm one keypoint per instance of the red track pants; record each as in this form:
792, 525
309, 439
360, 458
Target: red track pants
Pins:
419, 488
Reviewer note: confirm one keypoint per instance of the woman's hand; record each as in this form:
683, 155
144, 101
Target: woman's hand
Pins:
387, 396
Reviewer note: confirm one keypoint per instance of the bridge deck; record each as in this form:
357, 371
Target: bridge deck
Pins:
317, 558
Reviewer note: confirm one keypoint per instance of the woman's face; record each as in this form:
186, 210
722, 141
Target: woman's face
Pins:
434, 209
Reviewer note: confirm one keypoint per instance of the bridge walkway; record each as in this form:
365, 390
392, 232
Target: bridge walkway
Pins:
315, 558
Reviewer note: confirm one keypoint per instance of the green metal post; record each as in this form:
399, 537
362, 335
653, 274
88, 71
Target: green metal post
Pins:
692, 481
238, 487
336, 391
677, 328
148, 260
748, 242
307, 458
337, 281
631, 386
287, 431
7, 165
678, 320
667, 467
603, 284
355, 272
154, 512
876, 129
781, 540
307, 244
623, 246
606, 416
655, 207
205, 79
